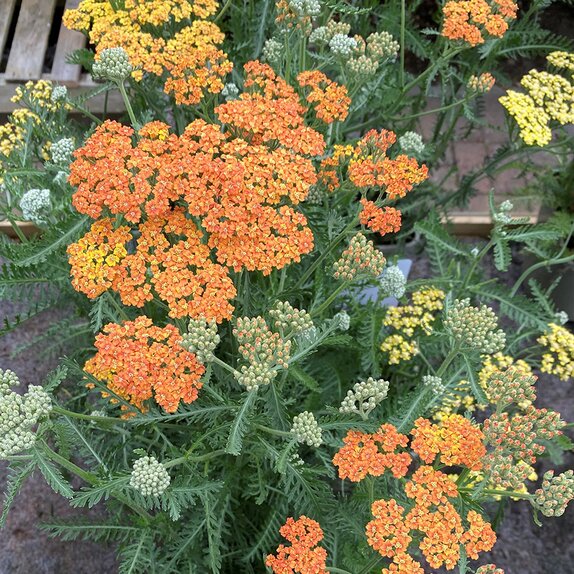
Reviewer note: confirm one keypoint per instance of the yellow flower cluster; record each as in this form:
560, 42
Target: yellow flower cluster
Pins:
399, 349
13, 133
550, 97
407, 319
559, 357
562, 60
36, 94
190, 55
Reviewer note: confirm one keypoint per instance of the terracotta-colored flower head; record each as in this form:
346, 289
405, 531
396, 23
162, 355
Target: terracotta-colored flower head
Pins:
303, 556
139, 361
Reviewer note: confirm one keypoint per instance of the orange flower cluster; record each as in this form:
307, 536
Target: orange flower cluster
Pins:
241, 191
331, 101
372, 454
303, 556
381, 220
473, 20
434, 515
368, 165
191, 57
138, 361
270, 111
455, 439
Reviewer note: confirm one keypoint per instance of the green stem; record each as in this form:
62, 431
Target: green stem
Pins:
447, 361
69, 465
16, 229
330, 299
129, 108
402, 41
223, 10
429, 112
273, 431
187, 458
536, 266
87, 113
326, 253
476, 261
493, 492
67, 413
223, 364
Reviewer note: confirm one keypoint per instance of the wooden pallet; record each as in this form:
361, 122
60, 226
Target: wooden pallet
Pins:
32, 22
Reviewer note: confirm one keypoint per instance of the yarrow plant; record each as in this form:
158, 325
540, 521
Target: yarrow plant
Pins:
250, 381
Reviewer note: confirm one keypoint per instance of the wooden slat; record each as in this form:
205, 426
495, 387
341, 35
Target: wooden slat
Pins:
462, 224
30, 40
6, 11
68, 41
95, 105
28, 229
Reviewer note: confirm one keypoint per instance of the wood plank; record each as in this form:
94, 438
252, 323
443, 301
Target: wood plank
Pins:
96, 104
30, 40
6, 11
68, 41
468, 223
28, 229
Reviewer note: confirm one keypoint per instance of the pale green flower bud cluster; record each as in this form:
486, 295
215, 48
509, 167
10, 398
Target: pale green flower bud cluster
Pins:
433, 383
230, 91
19, 414
362, 66
412, 144
263, 349
379, 47
98, 413
288, 318
555, 494
324, 34
62, 150
504, 473
342, 45
255, 375
273, 51
306, 8
59, 94
474, 327
364, 397
343, 319
36, 205
201, 339
8, 379
296, 460
316, 195
149, 476
382, 46
503, 214
393, 282
307, 430
561, 317
361, 257
113, 64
